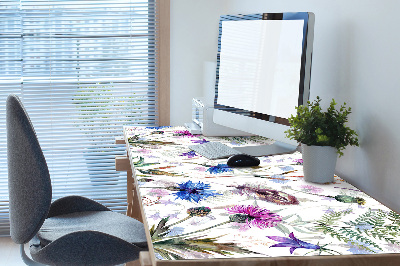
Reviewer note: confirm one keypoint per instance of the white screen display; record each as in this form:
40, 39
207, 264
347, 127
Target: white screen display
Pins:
260, 63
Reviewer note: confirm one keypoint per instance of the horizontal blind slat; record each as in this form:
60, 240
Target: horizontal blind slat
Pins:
83, 70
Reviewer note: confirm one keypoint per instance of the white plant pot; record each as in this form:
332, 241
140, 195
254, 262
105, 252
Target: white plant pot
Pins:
319, 163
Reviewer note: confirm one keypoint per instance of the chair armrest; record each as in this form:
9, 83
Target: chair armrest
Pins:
72, 204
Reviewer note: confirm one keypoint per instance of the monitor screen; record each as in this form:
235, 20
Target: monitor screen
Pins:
263, 71
257, 58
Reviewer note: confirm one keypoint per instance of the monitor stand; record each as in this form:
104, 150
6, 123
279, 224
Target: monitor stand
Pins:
264, 150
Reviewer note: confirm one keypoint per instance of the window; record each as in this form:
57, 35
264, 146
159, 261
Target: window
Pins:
83, 69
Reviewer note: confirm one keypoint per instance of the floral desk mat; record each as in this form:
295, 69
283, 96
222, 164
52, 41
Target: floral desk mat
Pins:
199, 208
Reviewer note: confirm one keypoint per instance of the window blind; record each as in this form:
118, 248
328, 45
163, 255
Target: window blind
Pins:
83, 69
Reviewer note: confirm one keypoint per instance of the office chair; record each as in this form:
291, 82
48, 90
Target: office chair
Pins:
70, 231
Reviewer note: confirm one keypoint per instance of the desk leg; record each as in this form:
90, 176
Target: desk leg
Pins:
129, 192
144, 260
134, 212
132, 198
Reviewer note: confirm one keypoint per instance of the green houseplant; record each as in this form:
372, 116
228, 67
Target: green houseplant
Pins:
100, 106
323, 135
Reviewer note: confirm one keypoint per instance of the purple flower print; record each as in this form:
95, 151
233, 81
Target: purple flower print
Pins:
254, 216
157, 192
190, 154
311, 189
183, 133
155, 216
298, 161
144, 151
329, 210
292, 242
199, 141
248, 215
168, 202
200, 168
266, 160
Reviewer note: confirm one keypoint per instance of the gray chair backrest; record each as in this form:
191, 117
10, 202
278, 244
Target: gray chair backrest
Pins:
29, 183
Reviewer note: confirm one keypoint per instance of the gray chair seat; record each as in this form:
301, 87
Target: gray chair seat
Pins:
107, 222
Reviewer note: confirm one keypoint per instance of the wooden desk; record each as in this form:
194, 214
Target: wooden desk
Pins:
201, 212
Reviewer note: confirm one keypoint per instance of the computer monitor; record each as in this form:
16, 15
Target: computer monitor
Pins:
263, 73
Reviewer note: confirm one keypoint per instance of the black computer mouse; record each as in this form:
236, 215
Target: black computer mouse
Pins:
241, 160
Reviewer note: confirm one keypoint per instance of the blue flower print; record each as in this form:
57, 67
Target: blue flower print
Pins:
189, 154
286, 168
364, 226
194, 191
176, 231
359, 247
280, 179
220, 168
158, 127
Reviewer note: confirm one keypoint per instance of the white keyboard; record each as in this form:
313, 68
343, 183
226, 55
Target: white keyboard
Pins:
214, 150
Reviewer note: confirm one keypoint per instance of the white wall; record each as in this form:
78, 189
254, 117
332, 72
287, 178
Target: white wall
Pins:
356, 60
194, 41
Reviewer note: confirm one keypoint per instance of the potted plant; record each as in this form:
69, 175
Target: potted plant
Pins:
97, 107
323, 136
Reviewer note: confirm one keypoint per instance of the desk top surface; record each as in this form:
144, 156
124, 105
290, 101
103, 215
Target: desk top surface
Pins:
200, 209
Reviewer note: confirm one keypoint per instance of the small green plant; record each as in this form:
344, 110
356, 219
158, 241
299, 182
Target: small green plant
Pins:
312, 126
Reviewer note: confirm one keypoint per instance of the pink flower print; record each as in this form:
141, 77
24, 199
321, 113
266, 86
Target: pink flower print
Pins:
311, 189
157, 192
254, 216
200, 168
144, 151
